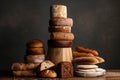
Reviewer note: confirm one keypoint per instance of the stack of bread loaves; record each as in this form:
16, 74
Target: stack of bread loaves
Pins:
34, 56
60, 43
86, 60
35, 52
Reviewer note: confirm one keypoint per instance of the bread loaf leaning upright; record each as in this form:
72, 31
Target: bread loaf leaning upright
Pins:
47, 64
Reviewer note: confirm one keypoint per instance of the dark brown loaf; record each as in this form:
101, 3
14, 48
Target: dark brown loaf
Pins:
61, 22
65, 70
59, 29
59, 43
35, 43
62, 36
35, 51
24, 66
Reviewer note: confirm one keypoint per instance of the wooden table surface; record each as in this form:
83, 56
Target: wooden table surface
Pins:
110, 75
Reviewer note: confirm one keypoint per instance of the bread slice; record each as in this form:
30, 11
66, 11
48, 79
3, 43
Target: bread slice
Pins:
46, 65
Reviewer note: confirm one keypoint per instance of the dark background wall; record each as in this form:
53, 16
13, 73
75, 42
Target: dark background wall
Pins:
96, 26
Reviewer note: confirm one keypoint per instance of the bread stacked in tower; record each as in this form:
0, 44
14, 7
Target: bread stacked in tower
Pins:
60, 43
35, 54
86, 60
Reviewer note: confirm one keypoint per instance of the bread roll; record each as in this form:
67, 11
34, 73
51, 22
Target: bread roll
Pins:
81, 54
35, 51
100, 59
24, 66
62, 36
35, 43
24, 73
58, 11
87, 50
59, 29
34, 58
59, 43
85, 60
48, 74
61, 22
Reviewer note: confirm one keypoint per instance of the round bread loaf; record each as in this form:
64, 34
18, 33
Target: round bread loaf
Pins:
59, 29
35, 43
34, 58
59, 43
62, 36
61, 22
35, 51
48, 74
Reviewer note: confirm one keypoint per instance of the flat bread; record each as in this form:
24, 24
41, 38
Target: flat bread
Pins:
87, 66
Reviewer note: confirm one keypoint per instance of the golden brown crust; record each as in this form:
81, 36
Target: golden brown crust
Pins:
24, 66
34, 58
24, 73
85, 60
61, 22
100, 59
48, 73
35, 51
62, 36
87, 50
81, 54
59, 29
35, 43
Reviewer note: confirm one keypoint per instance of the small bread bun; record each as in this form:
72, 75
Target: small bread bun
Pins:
24, 66
85, 60
59, 43
59, 29
24, 73
62, 36
87, 50
48, 74
61, 22
35, 51
35, 43
34, 58
81, 54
